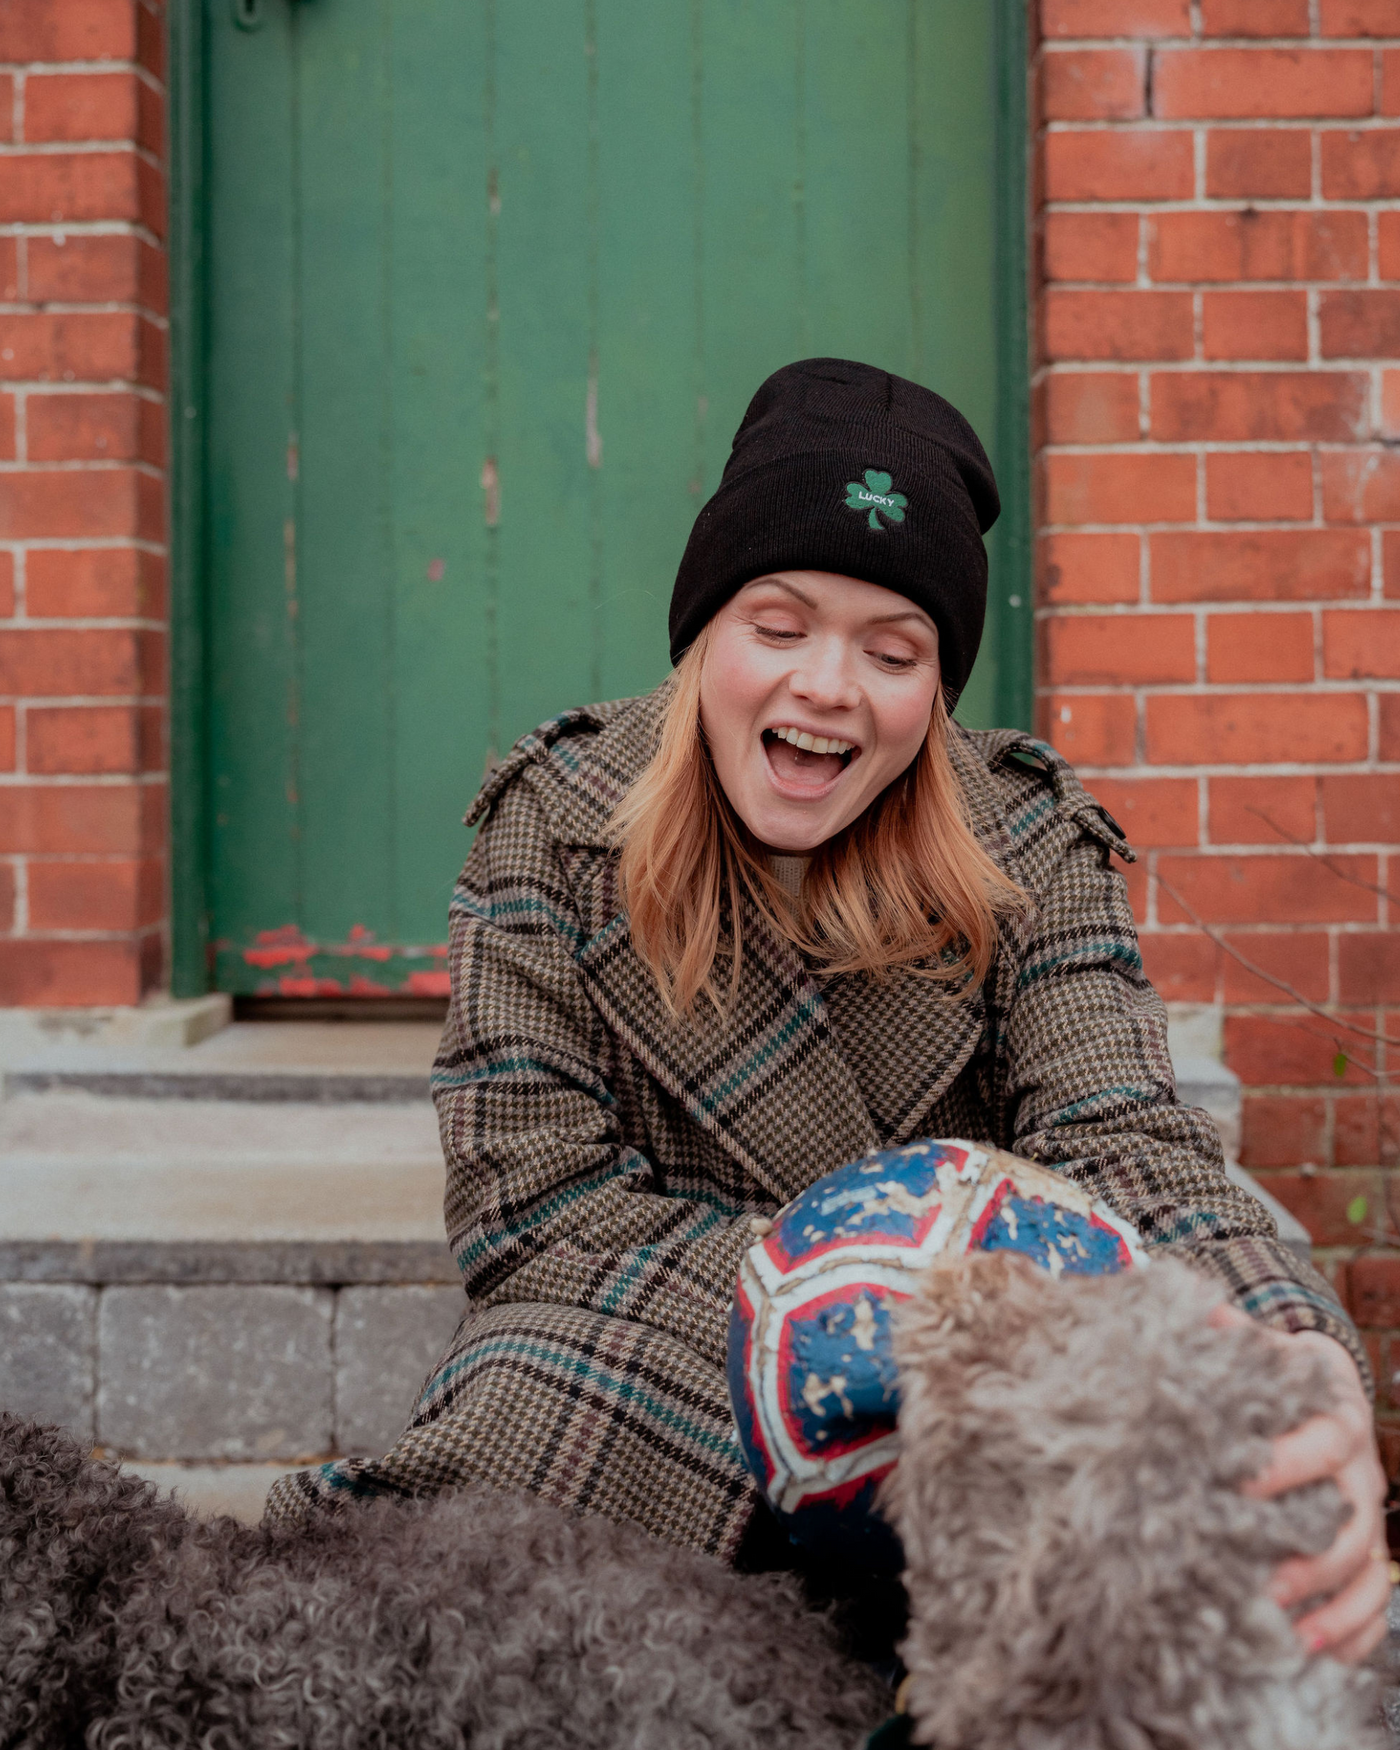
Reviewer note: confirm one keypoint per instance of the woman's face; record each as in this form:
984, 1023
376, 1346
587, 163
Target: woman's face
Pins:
799, 658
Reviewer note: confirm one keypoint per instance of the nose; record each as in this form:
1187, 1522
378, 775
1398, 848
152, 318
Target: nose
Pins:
825, 675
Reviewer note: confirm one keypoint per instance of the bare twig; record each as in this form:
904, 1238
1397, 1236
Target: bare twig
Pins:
1289, 990
1323, 858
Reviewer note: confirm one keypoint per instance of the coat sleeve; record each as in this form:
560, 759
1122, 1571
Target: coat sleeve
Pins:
545, 1200
589, 1365
1092, 1093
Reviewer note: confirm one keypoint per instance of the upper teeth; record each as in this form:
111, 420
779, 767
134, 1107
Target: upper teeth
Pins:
813, 743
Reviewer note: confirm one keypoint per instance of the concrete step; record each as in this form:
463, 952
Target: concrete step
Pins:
210, 1489
249, 1062
199, 1270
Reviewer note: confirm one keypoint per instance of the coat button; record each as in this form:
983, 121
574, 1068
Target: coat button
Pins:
1110, 821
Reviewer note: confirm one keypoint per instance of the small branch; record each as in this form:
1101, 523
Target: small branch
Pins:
1323, 858
1289, 990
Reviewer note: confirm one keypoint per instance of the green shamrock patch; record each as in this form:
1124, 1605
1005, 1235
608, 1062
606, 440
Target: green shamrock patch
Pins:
875, 496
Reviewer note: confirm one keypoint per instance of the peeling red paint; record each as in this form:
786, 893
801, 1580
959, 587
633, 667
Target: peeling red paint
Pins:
279, 956
360, 986
429, 984
313, 968
310, 987
285, 946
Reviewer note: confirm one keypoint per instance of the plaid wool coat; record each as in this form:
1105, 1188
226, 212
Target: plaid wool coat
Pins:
604, 1158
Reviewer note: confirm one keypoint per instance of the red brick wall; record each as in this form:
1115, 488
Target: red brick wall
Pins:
82, 501
1217, 409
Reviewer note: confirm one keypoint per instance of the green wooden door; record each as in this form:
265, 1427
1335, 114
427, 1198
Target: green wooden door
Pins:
486, 289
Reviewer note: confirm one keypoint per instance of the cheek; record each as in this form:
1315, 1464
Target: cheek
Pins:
724, 717
901, 721
736, 678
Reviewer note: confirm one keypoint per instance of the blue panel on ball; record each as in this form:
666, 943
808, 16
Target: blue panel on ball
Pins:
1051, 1236
849, 1205
838, 1370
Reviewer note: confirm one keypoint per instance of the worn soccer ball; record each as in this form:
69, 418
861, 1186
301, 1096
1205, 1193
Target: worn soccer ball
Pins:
811, 1369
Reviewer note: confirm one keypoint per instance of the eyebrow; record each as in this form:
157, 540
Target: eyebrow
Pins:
783, 584
878, 620
903, 614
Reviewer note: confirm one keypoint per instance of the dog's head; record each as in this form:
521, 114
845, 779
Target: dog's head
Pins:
1080, 1556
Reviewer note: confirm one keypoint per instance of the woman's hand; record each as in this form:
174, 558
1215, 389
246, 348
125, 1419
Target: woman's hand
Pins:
1353, 1576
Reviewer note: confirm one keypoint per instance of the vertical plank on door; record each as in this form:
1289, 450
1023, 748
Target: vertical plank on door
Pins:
749, 220
648, 329
952, 108
347, 607
251, 497
544, 619
441, 681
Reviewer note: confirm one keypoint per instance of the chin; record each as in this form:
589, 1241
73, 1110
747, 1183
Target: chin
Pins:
791, 838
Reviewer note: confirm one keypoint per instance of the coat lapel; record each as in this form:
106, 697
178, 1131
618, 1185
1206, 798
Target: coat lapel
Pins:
906, 1042
777, 1084
906, 1039
768, 1083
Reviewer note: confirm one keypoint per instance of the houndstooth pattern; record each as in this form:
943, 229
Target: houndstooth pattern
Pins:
603, 1156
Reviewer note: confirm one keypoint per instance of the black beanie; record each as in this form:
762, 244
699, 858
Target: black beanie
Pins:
841, 467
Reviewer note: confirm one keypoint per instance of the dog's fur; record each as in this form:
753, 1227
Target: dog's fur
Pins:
1084, 1574
487, 1619
1083, 1570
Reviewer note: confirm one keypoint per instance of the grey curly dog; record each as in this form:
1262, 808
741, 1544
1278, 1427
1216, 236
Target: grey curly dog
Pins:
1082, 1568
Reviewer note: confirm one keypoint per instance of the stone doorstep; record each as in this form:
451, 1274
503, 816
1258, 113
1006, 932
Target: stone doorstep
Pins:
239, 1490
80, 1170
294, 1062
232, 1283
160, 1022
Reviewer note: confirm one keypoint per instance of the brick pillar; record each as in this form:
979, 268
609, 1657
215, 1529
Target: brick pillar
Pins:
82, 501
1219, 548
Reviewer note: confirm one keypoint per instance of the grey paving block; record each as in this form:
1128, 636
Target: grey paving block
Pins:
331, 1262
386, 1342
215, 1373
48, 1354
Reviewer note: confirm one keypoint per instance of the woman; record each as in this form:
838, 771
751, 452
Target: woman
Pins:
713, 943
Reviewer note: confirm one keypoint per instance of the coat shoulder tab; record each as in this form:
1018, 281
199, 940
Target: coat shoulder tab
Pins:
1016, 751
535, 749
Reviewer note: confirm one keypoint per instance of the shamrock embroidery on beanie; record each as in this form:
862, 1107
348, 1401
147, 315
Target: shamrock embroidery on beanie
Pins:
876, 497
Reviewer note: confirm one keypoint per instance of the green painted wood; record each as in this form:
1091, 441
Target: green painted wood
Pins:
488, 287
1012, 628
189, 933
252, 246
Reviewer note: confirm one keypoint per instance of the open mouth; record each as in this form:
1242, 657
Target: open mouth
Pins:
806, 761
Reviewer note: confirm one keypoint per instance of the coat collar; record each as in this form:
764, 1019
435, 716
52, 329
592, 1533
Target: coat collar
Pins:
773, 1084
